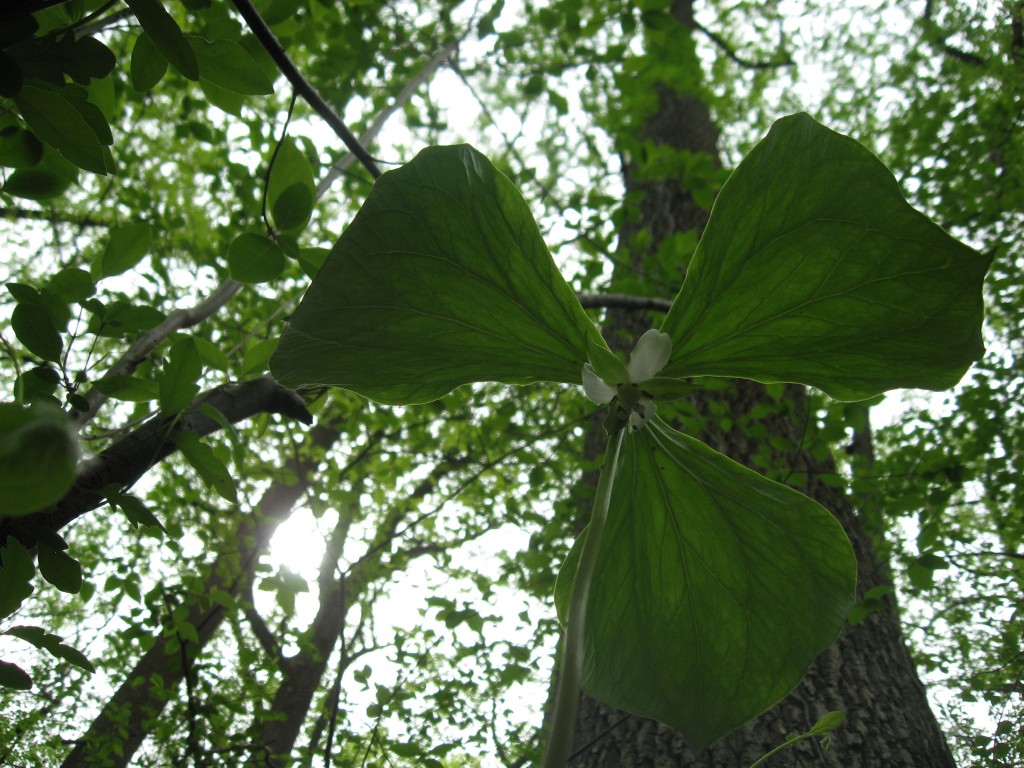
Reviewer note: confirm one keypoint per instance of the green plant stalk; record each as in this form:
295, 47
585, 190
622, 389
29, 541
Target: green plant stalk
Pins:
570, 674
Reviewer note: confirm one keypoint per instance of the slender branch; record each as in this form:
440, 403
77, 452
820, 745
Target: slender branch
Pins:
151, 339
371, 133
305, 89
16, 213
623, 301
940, 37
124, 462
730, 52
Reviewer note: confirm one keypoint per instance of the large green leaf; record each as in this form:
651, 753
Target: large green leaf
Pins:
715, 588
814, 269
441, 280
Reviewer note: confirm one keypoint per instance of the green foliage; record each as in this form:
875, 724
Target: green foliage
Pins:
463, 506
707, 578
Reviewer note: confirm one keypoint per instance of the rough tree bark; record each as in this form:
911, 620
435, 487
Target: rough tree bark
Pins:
868, 673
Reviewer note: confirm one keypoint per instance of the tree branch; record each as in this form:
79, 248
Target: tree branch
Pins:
371, 133
124, 462
622, 301
151, 339
305, 89
939, 39
730, 52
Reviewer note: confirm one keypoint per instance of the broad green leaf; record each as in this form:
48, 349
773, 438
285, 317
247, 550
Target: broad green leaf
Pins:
814, 269
13, 676
35, 329
16, 572
148, 65
61, 121
58, 567
715, 588
166, 35
227, 64
255, 258
125, 248
177, 385
204, 461
441, 280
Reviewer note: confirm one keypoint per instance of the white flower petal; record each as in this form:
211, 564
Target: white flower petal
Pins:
652, 351
595, 387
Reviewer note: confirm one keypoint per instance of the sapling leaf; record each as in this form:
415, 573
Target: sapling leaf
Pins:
716, 588
442, 279
814, 269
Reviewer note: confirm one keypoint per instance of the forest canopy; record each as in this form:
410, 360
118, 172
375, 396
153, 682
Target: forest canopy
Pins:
328, 328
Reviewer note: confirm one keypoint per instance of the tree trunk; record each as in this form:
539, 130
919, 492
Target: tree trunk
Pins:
868, 673
125, 720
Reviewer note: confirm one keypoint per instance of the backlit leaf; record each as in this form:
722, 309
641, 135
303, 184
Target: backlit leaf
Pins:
227, 64
814, 269
716, 588
166, 35
254, 258
441, 280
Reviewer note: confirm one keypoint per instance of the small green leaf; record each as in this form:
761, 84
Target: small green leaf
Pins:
58, 567
65, 123
257, 356
177, 384
828, 723
136, 511
290, 167
148, 65
130, 388
204, 461
16, 572
72, 285
293, 207
166, 35
228, 65
441, 280
125, 248
47, 179
13, 676
715, 588
254, 258
19, 148
90, 60
814, 269
35, 329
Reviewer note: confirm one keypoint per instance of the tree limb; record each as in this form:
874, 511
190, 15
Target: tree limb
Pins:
305, 89
371, 133
730, 52
151, 339
124, 462
622, 301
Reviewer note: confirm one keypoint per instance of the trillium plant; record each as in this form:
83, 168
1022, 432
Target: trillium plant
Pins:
700, 591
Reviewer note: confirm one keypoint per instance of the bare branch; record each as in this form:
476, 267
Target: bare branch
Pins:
730, 52
371, 133
623, 301
124, 462
305, 89
151, 339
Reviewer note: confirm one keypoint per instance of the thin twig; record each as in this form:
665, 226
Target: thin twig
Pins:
371, 133
622, 301
305, 89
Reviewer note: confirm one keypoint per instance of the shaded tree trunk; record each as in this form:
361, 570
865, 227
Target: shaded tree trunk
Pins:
868, 673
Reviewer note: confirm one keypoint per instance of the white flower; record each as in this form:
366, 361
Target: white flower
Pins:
649, 356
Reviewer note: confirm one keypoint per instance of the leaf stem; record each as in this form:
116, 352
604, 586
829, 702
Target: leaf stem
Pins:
570, 674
